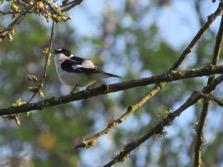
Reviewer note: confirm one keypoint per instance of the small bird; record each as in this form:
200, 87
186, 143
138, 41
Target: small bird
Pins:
75, 71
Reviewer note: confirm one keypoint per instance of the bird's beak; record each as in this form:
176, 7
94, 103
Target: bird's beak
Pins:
56, 51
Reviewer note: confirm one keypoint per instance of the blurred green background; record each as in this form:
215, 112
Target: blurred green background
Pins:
130, 38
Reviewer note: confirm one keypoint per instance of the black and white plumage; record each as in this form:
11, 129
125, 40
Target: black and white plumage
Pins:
75, 71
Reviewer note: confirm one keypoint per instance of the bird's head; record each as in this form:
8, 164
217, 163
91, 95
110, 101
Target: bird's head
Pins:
61, 54
62, 51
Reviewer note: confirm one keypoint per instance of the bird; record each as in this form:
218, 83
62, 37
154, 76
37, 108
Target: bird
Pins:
76, 71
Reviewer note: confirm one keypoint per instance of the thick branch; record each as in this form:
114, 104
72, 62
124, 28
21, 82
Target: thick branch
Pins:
104, 89
159, 127
131, 109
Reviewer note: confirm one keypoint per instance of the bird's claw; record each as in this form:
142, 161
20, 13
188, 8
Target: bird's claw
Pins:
87, 90
73, 90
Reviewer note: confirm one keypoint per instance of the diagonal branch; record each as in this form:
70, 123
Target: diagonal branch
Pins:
159, 127
48, 54
130, 110
203, 116
211, 18
104, 89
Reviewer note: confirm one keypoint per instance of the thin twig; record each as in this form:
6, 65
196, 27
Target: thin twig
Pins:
203, 116
48, 54
197, 6
159, 127
47, 60
130, 110
204, 28
104, 89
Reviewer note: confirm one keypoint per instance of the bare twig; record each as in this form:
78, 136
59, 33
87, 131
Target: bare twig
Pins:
131, 109
211, 18
159, 127
200, 127
47, 60
48, 54
198, 5
104, 89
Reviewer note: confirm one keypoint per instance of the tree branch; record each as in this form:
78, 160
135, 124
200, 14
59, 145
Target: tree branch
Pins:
104, 89
211, 18
159, 127
39, 89
87, 142
57, 12
202, 119
130, 110
212, 98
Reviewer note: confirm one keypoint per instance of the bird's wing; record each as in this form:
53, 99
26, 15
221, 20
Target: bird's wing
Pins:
72, 66
83, 66
77, 59
96, 70
82, 62
78, 65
